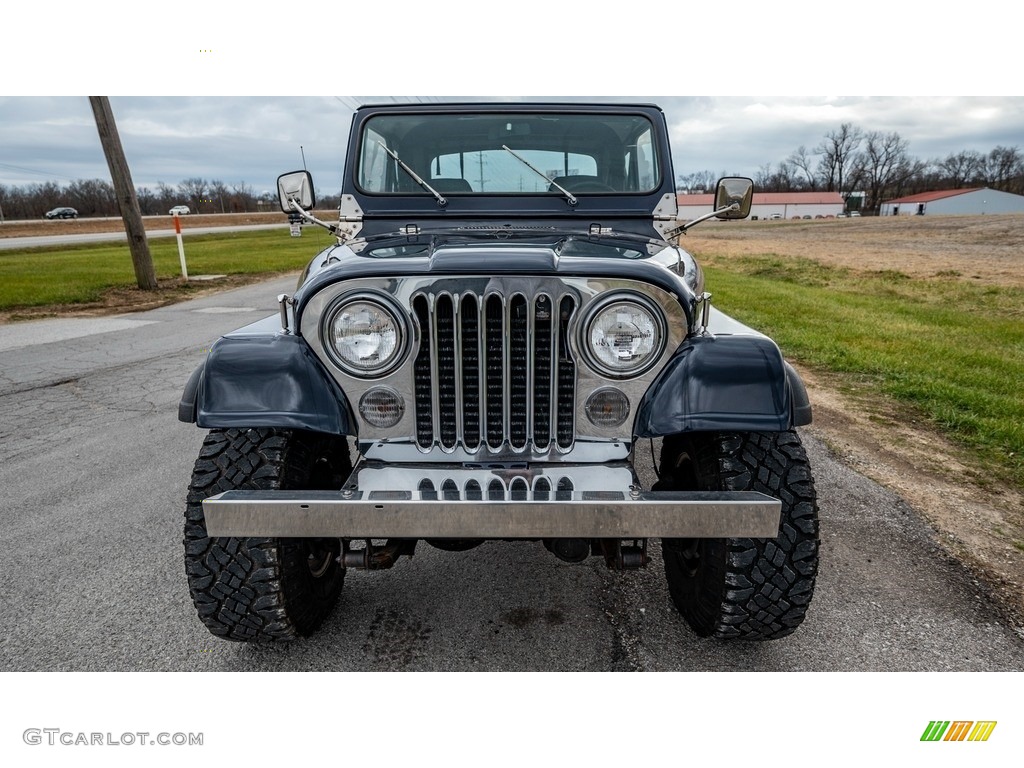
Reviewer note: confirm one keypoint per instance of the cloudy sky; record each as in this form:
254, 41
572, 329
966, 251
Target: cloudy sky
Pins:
214, 78
252, 139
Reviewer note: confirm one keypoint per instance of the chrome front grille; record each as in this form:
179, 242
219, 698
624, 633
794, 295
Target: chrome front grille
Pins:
494, 372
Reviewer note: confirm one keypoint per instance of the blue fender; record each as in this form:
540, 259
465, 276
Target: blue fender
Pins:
271, 380
724, 383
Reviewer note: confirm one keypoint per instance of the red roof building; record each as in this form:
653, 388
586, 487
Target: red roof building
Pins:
952, 202
769, 205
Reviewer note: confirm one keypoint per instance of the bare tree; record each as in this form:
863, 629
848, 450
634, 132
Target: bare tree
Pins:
697, 182
242, 198
148, 203
1004, 169
92, 197
801, 160
763, 178
167, 195
838, 153
195, 190
783, 179
887, 166
962, 167
218, 193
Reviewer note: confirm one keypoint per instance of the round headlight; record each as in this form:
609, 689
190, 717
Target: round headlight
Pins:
365, 336
624, 336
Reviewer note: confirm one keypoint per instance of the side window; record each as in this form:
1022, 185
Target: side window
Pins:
373, 163
647, 173
641, 164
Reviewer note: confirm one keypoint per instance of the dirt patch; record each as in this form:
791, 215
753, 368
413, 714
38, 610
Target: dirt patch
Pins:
978, 520
988, 249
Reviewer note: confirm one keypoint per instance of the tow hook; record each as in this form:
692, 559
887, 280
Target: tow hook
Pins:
375, 558
626, 555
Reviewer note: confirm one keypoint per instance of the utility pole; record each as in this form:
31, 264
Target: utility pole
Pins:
127, 202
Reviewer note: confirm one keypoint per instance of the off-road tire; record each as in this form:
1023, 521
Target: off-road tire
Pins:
750, 589
263, 589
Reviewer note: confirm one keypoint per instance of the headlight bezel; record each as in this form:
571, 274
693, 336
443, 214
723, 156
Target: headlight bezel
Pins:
381, 302
602, 304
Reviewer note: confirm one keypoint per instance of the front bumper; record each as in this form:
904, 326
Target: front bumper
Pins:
593, 501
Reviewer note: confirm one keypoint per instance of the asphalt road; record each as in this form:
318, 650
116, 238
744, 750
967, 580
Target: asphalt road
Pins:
93, 472
39, 241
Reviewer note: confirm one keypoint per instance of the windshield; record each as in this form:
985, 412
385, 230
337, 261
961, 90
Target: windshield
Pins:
470, 154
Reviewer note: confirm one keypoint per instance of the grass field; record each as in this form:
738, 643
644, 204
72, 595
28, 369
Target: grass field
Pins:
953, 351
83, 274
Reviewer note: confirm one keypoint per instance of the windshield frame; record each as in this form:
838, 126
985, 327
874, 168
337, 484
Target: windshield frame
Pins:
613, 128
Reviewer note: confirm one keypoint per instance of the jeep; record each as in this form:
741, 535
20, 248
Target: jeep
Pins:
505, 318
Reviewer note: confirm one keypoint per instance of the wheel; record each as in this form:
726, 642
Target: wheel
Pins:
750, 589
263, 589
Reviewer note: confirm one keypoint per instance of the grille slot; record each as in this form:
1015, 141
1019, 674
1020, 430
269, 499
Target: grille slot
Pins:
494, 372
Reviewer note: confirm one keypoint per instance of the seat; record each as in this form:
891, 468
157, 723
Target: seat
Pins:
579, 184
450, 185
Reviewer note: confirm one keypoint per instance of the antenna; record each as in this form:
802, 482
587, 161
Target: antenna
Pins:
303, 157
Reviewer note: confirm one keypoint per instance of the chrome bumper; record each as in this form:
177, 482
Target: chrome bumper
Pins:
382, 501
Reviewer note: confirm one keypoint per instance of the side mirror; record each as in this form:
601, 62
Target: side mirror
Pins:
297, 186
734, 189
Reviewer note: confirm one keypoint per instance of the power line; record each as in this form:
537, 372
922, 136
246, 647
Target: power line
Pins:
22, 169
351, 103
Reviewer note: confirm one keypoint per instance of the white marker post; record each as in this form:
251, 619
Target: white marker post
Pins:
181, 247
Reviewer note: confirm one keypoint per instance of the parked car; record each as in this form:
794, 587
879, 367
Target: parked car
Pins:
62, 213
490, 357
854, 214
179, 210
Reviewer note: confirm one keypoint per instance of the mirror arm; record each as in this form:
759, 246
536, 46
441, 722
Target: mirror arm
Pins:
681, 230
332, 228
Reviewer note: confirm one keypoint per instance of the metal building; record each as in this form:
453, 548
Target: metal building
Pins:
769, 205
955, 202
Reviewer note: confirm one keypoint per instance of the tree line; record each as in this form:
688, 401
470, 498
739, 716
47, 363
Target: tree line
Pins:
850, 159
95, 197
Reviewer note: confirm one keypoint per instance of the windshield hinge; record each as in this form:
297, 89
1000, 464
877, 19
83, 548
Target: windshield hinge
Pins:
410, 230
596, 230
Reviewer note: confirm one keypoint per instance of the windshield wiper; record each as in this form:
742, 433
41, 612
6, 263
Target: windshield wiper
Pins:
568, 195
440, 200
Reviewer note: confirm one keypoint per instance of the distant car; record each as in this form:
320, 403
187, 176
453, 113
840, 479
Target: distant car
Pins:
807, 216
854, 214
840, 215
179, 210
775, 216
62, 213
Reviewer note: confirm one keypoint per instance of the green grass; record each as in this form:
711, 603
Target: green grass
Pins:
82, 273
951, 350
